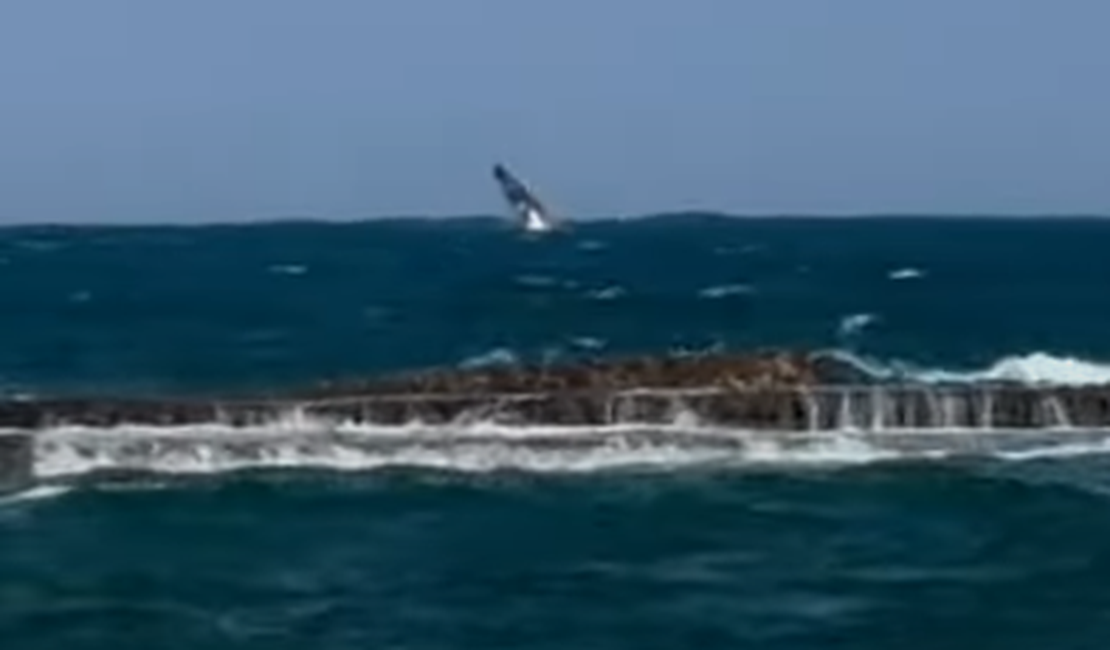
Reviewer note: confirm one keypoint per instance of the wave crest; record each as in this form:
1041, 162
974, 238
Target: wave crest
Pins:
1037, 368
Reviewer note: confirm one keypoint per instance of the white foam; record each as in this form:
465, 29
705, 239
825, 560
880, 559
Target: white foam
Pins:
494, 357
588, 342
725, 290
855, 323
907, 273
69, 456
608, 293
302, 442
1037, 368
31, 495
298, 441
1066, 450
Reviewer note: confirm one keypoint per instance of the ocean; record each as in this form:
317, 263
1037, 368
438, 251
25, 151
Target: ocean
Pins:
507, 545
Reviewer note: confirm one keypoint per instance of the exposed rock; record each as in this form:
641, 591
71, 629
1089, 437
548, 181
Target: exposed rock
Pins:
767, 391
645, 372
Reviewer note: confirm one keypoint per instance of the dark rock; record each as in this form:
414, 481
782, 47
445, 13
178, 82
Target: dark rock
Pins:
761, 391
768, 368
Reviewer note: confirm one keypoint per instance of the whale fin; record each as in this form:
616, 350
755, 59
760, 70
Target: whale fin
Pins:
530, 212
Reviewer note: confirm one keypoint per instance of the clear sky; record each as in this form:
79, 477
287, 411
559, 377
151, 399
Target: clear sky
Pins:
219, 110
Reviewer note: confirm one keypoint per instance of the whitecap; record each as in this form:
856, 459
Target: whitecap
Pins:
588, 342
33, 494
494, 357
288, 269
608, 293
725, 290
1037, 368
855, 323
907, 273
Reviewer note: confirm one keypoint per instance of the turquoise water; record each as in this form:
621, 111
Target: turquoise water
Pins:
490, 547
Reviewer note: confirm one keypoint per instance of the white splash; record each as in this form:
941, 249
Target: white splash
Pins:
34, 494
302, 442
725, 290
907, 273
855, 323
1037, 368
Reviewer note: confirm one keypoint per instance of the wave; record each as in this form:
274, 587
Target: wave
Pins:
907, 273
1037, 368
1033, 369
495, 357
33, 494
287, 269
853, 324
611, 292
299, 443
725, 290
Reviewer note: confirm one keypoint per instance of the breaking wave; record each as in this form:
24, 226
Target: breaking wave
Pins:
33, 495
853, 324
1037, 368
299, 443
906, 273
725, 290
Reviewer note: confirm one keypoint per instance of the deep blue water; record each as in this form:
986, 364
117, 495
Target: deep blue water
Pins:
194, 308
953, 554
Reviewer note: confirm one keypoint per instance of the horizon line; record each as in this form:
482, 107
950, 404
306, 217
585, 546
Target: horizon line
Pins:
676, 214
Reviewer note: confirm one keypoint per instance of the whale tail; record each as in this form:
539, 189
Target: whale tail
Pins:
530, 212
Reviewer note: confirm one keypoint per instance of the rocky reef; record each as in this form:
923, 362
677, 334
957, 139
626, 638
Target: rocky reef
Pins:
770, 390
542, 393
785, 395
770, 368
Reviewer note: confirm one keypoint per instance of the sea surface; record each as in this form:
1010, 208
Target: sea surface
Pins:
502, 545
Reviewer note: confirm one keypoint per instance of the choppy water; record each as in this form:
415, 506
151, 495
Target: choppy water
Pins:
503, 544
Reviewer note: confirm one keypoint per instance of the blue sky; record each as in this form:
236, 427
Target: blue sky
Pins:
221, 110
